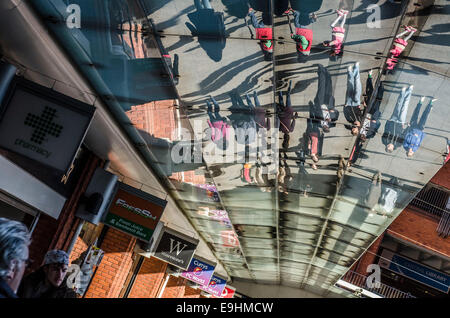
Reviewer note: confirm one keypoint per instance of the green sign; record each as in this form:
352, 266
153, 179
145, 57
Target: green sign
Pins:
129, 227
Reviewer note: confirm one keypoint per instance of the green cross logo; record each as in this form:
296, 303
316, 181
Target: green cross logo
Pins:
43, 125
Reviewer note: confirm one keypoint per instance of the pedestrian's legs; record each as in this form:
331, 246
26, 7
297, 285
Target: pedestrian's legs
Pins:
350, 88
401, 34
321, 86
358, 86
335, 22
216, 105
280, 99
297, 19
249, 101
208, 104
399, 106
255, 97
409, 35
198, 4
206, 4
404, 107
343, 20
255, 22
425, 115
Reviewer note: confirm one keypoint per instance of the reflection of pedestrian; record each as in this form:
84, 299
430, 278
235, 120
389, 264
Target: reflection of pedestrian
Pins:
323, 108
389, 196
218, 125
209, 27
314, 139
399, 46
372, 121
394, 129
263, 33
303, 36
262, 121
284, 176
242, 119
304, 179
415, 134
337, 33
353, 110
286, 115
373, 193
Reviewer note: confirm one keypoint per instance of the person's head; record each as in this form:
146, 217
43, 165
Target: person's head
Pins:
14, 242
326, 128
55, 266
390, 148
410, 152
355, 130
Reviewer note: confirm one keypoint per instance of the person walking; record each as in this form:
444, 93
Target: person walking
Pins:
399, 46
286, 115
303, 35
49, 281
14, 242
337, 33
415, 133
353, 109
394, 129
323, 108
262, 121
218, 125
264, 34
372, 122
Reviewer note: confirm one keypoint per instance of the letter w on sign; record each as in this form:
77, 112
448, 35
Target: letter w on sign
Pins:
177, 246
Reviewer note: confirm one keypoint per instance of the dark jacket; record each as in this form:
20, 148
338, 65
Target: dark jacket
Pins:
393, 134
33, 286
6, 291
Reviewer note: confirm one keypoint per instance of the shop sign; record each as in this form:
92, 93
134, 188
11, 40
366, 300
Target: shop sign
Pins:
43, 125
415, 271
199, 271
175, 248
216, 286
135, 212
228, 292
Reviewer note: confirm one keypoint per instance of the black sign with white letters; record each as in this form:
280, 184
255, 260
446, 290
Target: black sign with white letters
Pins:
175, 248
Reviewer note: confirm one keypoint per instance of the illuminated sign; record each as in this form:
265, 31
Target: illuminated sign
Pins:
135, 212
199, 271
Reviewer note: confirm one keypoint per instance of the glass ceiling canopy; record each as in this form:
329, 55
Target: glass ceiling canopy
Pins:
288, 191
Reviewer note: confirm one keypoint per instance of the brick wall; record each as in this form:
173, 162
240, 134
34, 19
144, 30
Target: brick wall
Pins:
442, 177
115, 266
149, 279
418, 229
368, 257
56, 234
174, 288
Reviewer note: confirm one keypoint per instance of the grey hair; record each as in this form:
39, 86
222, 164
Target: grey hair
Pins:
14, 239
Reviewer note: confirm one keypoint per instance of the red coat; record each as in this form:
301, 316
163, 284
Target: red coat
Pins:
308, 34
265, 34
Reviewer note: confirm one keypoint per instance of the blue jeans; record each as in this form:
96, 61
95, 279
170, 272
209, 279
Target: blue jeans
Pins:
256, 24
421, 124
401, 108
354, 88
249, 101
204, 4
297, 20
